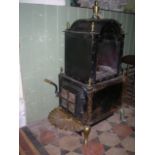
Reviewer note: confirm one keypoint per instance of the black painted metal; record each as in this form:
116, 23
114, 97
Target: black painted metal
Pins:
84, 49
103, 101
93, 49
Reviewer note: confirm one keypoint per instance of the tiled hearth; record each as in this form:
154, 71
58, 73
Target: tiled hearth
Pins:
109, 137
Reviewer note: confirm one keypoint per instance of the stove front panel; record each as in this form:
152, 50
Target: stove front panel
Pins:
74, 99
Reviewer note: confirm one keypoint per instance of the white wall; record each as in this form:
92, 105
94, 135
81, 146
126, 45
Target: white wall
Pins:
46, 2
22, 110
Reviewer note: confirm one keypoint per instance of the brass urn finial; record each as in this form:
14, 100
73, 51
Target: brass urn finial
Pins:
96, 9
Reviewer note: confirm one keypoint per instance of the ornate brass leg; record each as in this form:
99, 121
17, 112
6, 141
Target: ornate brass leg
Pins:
90, 100
86, 133
122, 115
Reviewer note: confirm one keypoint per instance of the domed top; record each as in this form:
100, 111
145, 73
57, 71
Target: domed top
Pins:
101, 26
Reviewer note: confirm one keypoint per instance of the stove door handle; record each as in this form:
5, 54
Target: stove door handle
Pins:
52, 83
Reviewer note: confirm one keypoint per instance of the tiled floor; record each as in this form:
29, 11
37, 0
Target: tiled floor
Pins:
109, 137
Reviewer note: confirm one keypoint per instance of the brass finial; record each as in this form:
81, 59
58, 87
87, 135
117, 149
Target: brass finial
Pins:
96, 9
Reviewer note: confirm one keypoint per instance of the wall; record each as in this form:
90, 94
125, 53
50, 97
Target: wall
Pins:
42, 50
119, 5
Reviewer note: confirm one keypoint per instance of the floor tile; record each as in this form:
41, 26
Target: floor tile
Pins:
106, 148
95, 140
115, 118
128, 111
131, 121
78, 150
93, 134
116, 151
52, 150
64, 152
72, 153
99, 132
119, 145
69, 142
93, 149
109, 139
103, 126
129, 144
111, 136
47, 136
35, 131
122, 130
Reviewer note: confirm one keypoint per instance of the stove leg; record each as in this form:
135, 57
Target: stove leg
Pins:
122, 115
86, 133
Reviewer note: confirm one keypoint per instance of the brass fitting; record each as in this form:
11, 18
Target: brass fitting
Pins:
92, 27
96, 9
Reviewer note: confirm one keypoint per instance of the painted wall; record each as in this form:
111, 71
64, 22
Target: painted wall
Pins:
118, 5
42, 50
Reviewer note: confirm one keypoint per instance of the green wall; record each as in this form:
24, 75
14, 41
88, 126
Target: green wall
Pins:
42, 50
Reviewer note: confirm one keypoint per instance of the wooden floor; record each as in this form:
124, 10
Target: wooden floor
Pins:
29, 144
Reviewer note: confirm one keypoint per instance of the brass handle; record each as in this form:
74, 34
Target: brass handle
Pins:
52, 83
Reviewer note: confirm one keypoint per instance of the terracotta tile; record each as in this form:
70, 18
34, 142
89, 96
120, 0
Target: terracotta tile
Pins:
40, 126
122, 130
93, 149
55, 141
52, 150
47, 136
69, 142
109, 139
116, 151
129, 144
